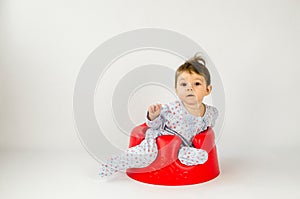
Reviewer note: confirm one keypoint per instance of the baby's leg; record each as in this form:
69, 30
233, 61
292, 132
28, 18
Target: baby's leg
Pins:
191, 156
135, 157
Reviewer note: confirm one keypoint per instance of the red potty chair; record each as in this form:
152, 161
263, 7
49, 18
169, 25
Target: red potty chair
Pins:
167, 169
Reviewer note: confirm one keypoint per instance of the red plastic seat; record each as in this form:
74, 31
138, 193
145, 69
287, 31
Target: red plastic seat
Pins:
167, 169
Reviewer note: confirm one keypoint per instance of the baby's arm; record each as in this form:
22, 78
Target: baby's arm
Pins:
154, 111
210, 117
213, 113
154, 116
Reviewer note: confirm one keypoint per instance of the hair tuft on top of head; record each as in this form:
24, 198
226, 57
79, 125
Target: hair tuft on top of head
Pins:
197, 58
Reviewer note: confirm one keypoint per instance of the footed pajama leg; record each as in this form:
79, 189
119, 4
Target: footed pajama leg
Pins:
192, 156
135, 157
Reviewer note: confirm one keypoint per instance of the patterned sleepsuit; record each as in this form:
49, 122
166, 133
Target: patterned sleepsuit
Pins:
177, 118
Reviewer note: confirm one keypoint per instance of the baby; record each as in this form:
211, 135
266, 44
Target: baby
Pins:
185, 117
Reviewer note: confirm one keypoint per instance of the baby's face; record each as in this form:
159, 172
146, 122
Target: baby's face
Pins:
192, 88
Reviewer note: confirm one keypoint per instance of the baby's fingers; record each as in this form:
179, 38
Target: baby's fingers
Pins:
157, 107
151, 109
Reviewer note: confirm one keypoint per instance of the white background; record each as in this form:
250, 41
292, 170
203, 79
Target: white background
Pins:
253, 44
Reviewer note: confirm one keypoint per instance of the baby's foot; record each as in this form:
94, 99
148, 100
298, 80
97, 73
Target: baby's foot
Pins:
191, 156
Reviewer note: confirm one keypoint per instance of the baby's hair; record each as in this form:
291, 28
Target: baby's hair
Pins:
196, 64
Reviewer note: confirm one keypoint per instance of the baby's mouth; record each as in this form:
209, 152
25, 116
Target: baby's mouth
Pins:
191, 95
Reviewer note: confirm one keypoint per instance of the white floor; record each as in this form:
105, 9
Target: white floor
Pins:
35, 174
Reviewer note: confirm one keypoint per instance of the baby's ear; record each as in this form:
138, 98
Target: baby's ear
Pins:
208, 89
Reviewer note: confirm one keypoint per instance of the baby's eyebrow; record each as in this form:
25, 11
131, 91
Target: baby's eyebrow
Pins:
200, 79
181, 79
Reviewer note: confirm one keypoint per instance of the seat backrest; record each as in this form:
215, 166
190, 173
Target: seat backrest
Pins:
137, 134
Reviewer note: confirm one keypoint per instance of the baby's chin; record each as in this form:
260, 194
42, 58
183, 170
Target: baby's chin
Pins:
190, 102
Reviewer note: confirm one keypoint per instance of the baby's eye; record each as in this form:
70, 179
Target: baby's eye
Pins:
183, 84
197, 83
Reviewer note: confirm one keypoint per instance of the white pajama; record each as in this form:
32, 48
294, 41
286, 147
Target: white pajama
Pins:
176, 117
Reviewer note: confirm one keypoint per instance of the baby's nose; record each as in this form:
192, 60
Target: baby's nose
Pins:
189, 86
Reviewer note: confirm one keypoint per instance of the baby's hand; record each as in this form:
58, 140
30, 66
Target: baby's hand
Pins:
154, 111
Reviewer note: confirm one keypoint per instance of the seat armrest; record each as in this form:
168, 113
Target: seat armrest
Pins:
205, 140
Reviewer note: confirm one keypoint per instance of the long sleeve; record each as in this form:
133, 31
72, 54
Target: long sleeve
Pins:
211, 116
157, 122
